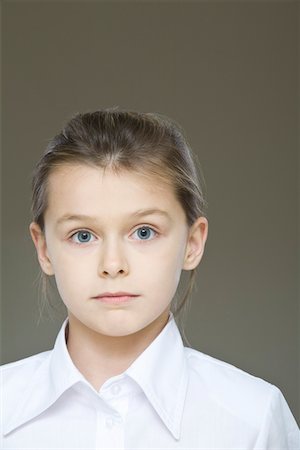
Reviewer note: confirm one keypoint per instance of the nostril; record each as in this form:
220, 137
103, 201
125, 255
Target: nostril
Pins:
121, 271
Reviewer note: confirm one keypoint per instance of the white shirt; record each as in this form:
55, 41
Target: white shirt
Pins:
171, 397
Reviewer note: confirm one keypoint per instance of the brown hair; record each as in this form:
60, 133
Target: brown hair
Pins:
150, 144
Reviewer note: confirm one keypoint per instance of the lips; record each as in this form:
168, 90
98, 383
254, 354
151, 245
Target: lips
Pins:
116, 298
116, 294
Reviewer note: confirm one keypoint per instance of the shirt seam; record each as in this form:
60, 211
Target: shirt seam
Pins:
22, 362
268, 407
229, 366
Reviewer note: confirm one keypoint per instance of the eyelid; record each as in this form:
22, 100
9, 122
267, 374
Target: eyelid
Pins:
78, 231
146, 226
156, 233
151, 227
135, 228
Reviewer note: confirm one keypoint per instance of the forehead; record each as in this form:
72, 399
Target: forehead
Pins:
82, 189
70, 175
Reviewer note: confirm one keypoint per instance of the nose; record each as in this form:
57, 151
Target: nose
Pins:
112, 261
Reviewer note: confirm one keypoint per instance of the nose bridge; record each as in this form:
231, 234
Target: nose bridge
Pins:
112, 256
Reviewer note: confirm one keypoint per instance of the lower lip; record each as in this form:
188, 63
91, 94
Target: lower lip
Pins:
116, 300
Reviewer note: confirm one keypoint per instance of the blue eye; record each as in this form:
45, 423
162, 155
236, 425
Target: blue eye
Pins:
143, 232
84, 236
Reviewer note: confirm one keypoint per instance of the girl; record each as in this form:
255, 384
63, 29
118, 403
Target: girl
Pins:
118, 214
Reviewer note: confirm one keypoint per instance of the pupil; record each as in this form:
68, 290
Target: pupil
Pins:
143, 231
84, 235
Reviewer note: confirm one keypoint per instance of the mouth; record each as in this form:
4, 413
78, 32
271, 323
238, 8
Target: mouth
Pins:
115, 298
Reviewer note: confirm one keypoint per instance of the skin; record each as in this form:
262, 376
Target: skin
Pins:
104, 339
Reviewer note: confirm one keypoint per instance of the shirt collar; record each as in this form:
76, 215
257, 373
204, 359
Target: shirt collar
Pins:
160, 371
54, 375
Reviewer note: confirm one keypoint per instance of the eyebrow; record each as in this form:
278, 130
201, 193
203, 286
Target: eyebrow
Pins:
138, 213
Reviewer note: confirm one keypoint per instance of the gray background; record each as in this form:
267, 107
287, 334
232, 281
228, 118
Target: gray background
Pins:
227, 72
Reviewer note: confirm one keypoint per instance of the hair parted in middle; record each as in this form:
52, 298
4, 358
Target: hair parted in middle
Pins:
150, 144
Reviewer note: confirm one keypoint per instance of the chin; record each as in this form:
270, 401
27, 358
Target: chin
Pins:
117, 331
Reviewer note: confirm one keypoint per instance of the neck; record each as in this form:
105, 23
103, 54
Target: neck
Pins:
99, 357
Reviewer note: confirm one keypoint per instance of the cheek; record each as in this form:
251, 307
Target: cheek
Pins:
72, 279
71, 260
172, 256
160, 262
162, 269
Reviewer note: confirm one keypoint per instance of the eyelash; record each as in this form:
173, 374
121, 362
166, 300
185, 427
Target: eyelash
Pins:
139, 228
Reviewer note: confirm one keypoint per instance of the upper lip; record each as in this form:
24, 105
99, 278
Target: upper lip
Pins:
115, 294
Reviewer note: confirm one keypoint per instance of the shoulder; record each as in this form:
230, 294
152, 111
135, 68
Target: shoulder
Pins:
217, 370
16, 375
21, 384
230, 388
24, 363
238, 400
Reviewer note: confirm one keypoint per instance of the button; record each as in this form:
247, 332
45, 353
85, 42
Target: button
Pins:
115, 389
109, 422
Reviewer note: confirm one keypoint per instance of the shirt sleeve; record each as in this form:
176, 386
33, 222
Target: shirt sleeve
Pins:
279, 429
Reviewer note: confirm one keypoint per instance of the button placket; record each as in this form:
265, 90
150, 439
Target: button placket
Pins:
109, 422
110, 431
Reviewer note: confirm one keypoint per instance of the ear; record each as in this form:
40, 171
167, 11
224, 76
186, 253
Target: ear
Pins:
196, 243
39, 241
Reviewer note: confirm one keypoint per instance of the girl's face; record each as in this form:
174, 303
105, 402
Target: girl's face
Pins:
116, 247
